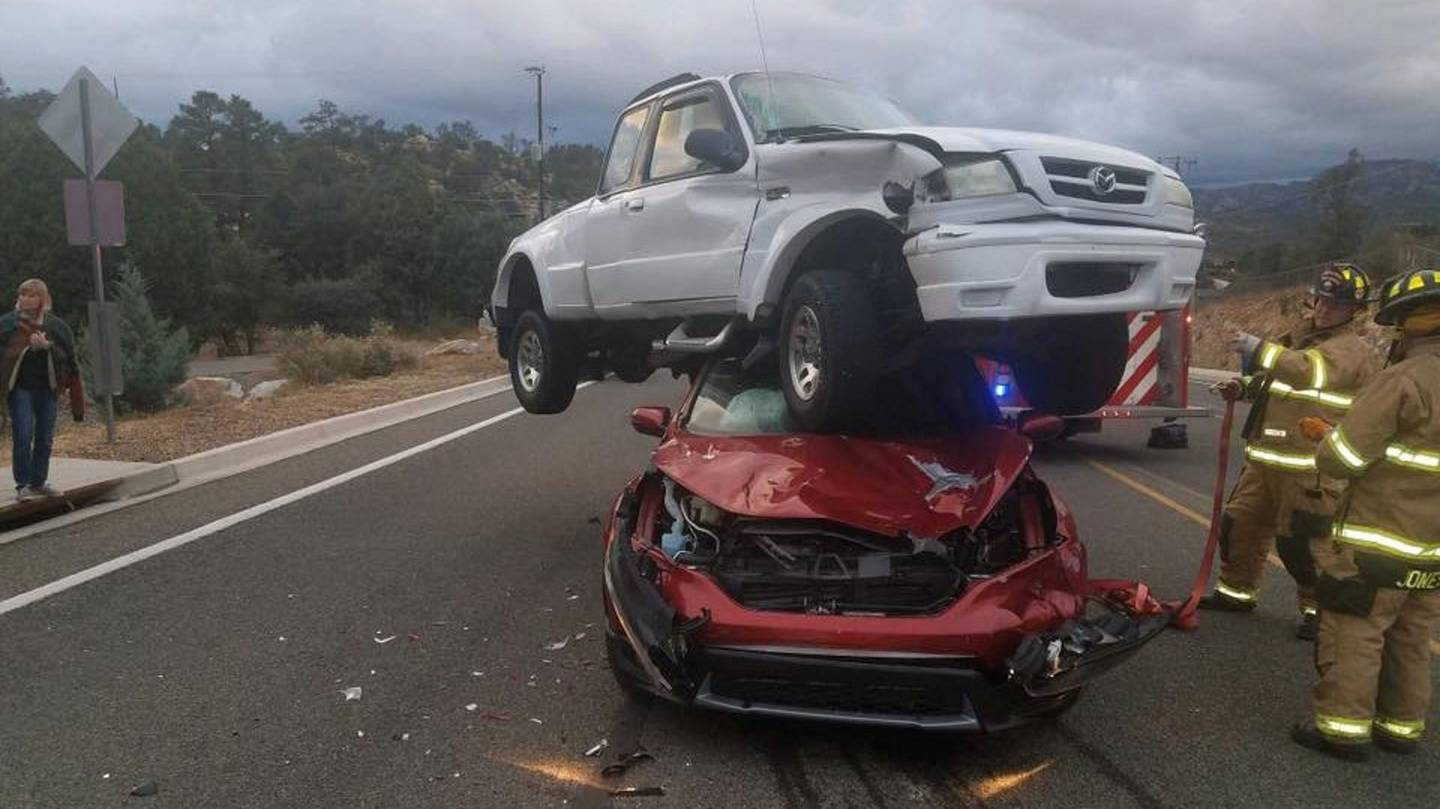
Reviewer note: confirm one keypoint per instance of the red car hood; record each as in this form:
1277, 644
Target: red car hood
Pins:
922, 487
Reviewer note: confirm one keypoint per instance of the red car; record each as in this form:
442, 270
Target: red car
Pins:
916, 572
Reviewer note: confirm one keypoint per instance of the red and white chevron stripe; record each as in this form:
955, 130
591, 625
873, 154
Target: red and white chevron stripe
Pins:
1138, 385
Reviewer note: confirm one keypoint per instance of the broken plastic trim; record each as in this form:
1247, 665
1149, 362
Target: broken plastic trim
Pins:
1051, 663
626, 588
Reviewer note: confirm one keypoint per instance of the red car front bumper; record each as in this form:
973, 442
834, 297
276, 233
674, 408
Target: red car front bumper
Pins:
1012, 647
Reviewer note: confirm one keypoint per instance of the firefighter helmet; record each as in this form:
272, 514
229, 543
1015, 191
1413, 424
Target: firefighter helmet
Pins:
1344, 282
1404, 291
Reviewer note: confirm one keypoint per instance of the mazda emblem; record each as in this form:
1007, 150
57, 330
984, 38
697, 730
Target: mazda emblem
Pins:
1102, 179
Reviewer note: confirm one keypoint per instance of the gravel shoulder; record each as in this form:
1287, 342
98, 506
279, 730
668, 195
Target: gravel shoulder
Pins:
182, 431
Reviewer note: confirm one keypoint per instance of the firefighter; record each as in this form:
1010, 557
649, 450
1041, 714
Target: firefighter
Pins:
1280, 498
1380, 568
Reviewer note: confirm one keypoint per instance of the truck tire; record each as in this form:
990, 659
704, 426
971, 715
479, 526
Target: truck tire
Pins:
544, 363
1076, 365
830, 349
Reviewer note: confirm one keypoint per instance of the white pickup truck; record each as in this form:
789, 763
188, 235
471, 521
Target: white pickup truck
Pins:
816, 225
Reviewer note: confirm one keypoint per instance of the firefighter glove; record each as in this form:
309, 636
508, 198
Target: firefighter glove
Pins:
1244, 343
1352, 596
1315, 428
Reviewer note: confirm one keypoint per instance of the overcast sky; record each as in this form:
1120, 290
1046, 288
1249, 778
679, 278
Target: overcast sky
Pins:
1253, 89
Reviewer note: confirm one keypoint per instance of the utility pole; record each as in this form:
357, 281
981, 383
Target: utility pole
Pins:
538, 71
1180, 163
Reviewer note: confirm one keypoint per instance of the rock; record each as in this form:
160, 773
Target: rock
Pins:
207, 390
145, 790
466, 347
266, 389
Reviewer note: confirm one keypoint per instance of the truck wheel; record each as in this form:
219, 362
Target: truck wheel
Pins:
830, 349
544, 363
1076, 366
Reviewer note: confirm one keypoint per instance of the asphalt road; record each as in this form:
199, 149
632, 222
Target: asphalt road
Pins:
215, 670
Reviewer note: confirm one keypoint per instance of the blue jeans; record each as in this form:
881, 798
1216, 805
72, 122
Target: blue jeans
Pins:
32, 426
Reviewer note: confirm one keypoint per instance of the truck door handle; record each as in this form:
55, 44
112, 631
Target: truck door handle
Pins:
636, 204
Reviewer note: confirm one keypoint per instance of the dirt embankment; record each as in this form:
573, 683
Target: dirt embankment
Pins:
1268, 313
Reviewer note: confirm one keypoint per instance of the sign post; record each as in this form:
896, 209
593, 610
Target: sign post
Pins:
90, 125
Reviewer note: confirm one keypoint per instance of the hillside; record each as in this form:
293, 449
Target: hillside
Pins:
1252, 215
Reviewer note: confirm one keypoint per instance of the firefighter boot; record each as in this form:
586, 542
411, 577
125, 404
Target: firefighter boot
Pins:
1306, 735
1309, 626
1393, 744
1220, 601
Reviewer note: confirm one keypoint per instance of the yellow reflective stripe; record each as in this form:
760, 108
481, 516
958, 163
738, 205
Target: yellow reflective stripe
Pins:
1347, 453
1337, 400
1343, 726
1401, 729
1317, 368
1387, 543
1231, 592
1285, 460
1413, 458
1269, 352
1271, 432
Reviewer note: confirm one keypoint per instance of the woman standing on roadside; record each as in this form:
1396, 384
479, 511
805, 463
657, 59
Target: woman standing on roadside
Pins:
38, 363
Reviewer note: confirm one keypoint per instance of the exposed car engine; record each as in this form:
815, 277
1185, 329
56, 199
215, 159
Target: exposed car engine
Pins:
825, 568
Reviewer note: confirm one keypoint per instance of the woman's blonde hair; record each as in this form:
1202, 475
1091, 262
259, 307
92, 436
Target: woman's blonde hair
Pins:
37, 286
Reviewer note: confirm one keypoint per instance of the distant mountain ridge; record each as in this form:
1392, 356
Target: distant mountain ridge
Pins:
1245, 216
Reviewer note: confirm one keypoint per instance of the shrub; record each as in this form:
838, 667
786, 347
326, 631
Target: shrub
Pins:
153, 355
340, 306
312, 356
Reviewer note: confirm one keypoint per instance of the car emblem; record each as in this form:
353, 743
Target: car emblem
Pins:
942, 479
1102, 179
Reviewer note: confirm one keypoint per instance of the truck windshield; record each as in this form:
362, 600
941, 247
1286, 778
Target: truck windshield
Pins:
788, 105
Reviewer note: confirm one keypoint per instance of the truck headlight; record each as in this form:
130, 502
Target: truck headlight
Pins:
1177, 194
966, 178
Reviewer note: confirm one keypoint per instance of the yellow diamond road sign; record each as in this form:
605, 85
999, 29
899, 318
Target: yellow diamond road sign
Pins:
110, 123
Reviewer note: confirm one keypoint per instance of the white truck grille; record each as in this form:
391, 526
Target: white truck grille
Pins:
1076, 179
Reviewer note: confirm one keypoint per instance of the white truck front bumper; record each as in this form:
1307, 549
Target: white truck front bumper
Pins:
1009, 270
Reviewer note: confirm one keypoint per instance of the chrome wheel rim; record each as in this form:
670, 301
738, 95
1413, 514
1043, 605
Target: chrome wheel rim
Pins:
804, 353
530, 359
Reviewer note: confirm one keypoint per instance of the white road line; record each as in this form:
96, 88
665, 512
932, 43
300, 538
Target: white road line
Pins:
126, 560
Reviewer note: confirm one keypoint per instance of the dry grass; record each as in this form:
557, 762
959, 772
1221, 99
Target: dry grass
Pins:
184, 431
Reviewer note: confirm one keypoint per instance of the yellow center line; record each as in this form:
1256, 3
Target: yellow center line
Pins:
1188, 513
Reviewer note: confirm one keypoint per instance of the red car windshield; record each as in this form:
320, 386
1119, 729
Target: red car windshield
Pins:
943, 395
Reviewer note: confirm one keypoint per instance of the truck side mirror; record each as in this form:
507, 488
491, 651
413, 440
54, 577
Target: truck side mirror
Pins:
650, 420
716, 147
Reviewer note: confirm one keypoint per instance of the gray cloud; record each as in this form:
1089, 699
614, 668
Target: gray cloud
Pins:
1253, 90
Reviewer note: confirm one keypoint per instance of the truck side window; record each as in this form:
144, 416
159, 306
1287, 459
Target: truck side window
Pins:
678, 119
622, 149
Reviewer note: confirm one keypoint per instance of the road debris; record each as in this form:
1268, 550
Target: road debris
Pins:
536, 721
145, 790
386, 639
557, 645
401, 737
638, 792
359, 734
595, 751
352, 694
572, 597
623, 764
471, 707
496, 717
579, 636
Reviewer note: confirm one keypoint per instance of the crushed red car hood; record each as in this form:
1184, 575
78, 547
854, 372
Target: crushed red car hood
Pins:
923, 487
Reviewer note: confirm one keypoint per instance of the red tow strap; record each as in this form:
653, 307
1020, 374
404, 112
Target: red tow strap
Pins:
1185, 617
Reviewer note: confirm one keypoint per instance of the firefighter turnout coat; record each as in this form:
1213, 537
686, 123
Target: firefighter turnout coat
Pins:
1381, 566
